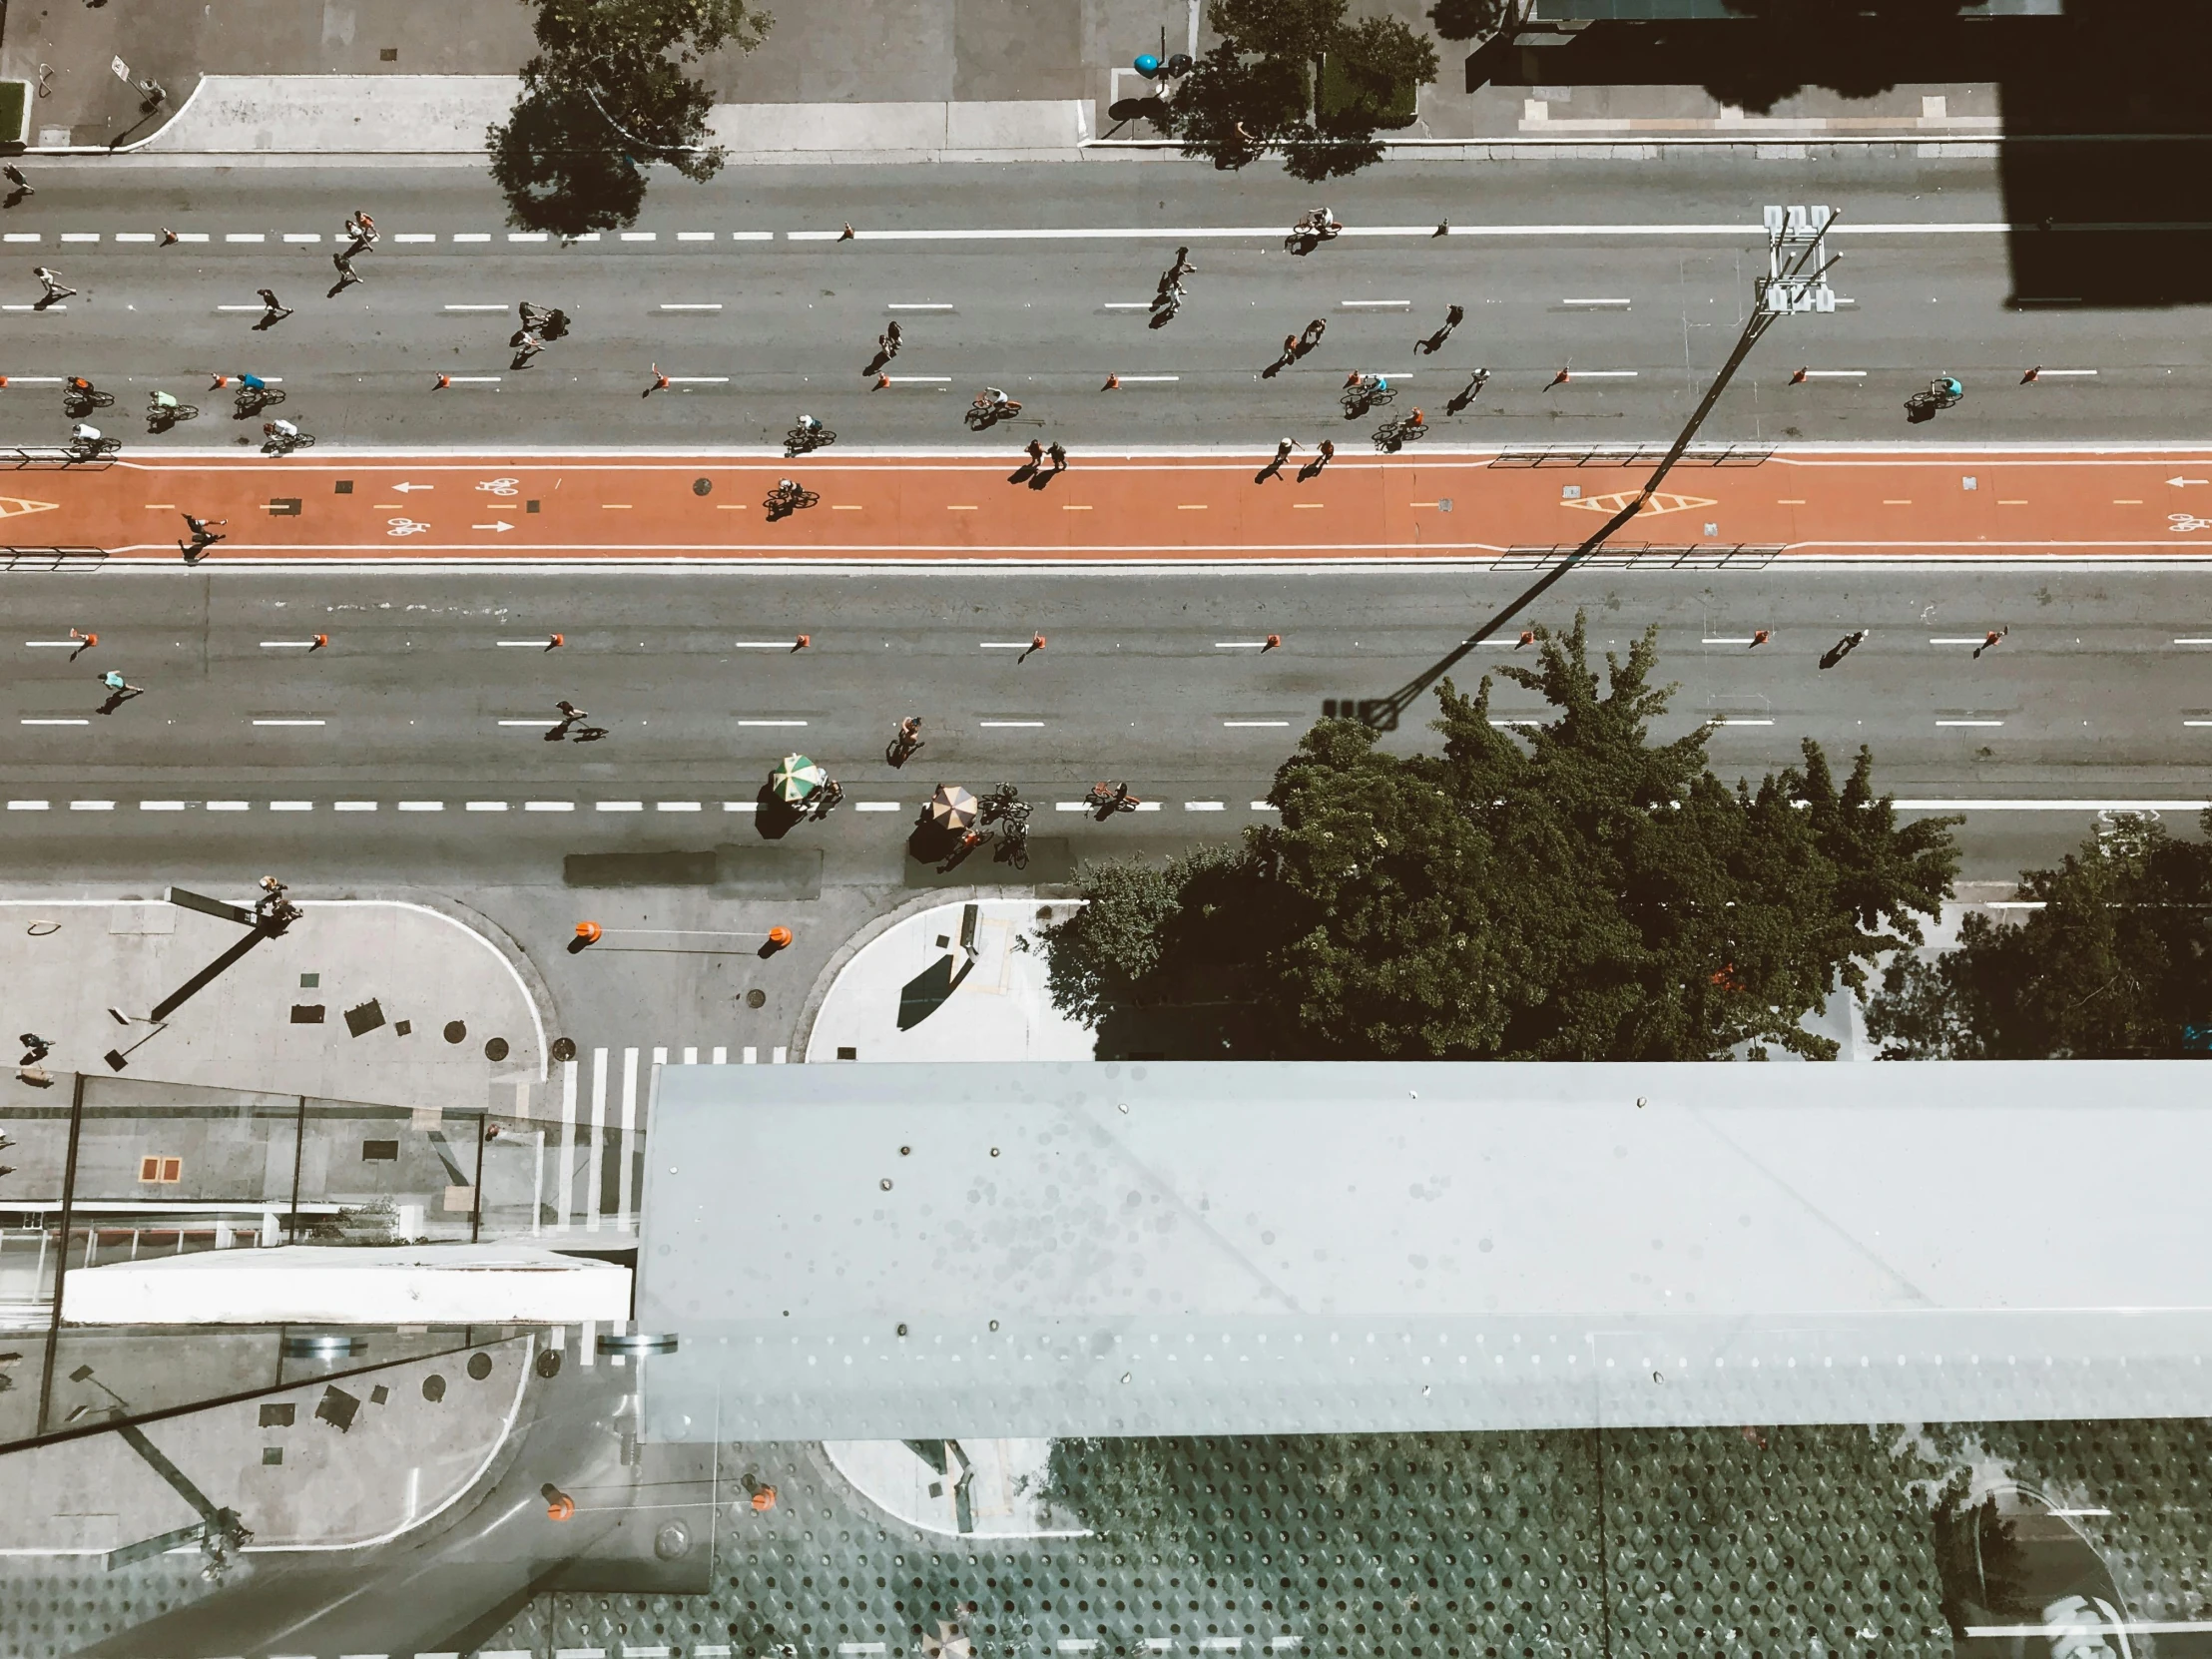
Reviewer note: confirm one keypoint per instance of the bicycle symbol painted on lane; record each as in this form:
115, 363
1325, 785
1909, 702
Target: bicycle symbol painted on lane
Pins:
497, 487
405, 527
2183, 524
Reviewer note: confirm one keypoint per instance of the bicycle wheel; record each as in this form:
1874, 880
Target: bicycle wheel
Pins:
186, 412
1384, 394
806, 498
306, 442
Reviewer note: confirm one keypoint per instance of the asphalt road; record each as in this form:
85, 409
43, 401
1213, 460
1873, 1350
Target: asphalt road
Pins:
1027, 302
415, 747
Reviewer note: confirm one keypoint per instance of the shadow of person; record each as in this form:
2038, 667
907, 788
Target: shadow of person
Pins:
1040, 477
50, 300
1273, 469
1920, 410
930, 989
1022, 473
589, 733
876, 364
1311, 469
14, 197
116, 700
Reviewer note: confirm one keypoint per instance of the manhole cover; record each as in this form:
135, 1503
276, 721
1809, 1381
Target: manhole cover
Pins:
479, 1366
564, 1049
756, 998
434, 1388
702, 486
549, 1363
496, 1049
456, 1031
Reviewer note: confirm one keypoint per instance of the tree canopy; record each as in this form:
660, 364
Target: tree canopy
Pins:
2117, 965
1294, 77
606, 95
1576, 891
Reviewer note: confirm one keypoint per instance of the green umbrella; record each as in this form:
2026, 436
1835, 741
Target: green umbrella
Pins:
796, 777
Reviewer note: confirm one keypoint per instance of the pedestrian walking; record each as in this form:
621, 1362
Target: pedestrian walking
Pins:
1059, 456
1288, 357
1843, 648
362, 230
274, 309
527, 346
1312, 337
888, 341
14, 175
1182, 265
204, 536
1274, 468
1435, 343
55, 287
347, 276
1037, 454
1324, 453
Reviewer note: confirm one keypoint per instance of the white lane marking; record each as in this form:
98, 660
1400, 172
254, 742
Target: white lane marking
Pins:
1602, 374
202, 236
1375, 304
549, 806
741, 806
403, 235
876, 805
989, 725
476, 308
1239, 723
1205, 806
353, 805
620, 806
1240, 645
527, 236
1120, 306
33, 307
422, 805
229, 806
1148, 805
291, 722
1069, 806
80, 235
2197, 723
292, 805
92, 805
691, 305
639, 235
243, 235
752, 235
762, 645
1962, 722
34, 380
1961, 639
1834, 374
303, 236
472, 235
1009, 645
161, 806
2063, 373
2006, 805
676, 806
472, 380
694, 236
2187, 639
535, 645
1749, 720
240, 307
1515, 721
1727, 639
2135, 1627
540, 724
920, 379
1265, 806
699, 379
287, 645
1146, 380
27, 805
772, 723
918, 306
1274, 232
1616, 303
43, 720
133, 236
31, 235
484, 806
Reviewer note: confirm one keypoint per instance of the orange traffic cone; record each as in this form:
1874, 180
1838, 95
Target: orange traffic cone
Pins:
444, 380
2035, 373
1759, 637
1559, 380
805, 640
169, 236
321, 640
1273, 640
848, 237
1113, 383
1797, 380
588, 931
556, 641
1528, 637
882, 382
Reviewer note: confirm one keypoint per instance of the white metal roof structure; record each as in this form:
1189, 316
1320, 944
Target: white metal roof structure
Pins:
895, 1251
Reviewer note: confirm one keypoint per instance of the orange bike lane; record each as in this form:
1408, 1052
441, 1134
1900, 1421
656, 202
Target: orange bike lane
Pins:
440, 507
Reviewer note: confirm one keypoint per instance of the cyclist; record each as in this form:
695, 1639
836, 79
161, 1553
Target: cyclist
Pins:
282, 434
788, 492
162, 399
85, 437
1417, 418
990, 397
808, 426
1369, 385
909, 732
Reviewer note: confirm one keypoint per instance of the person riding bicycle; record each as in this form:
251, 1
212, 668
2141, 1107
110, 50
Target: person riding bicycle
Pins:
1417, 418
282, 434
1369, 385
85, 437
78, 383
990, 397
788, 492
808, 426
162, 399
1950, 386
1320, 223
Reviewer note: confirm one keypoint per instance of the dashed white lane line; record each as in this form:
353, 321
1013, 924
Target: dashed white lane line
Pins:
1234, 725
741, 806
1967, 722
92, 805
1603, 374
238, 308
2190, 639
989, 725
1832, 373
2065, 373
402, 236
304, 236
1205, 806
1265, 806
1961, 639
539, 725
528, 236
921, 379
27, 805
1240, 645
619, 805
422, 805
691, 305
1126, 306
1146, 380
1727, 639
640, 235
230, 805
918, 305
353, 805
292, 805
202, 236
41, 720
80, 235
694, 236
484, 806
1598, 305
699, 379
291, 722
1751, 720
676, 806
876, 805
20, 236
133, 236
1519, 720
476, 308
1009, 645
243, 235
772, 723
2197, 723
762, 645
1375, 304
287, 645
161, 806
472, 235
42, 309
549, 806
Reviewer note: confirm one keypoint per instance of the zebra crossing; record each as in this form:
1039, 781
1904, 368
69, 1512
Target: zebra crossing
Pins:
592, 1113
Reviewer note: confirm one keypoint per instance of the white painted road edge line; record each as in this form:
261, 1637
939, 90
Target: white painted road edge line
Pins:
2003, 806
989, 725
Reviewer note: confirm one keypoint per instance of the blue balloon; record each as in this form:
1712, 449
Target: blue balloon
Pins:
1147, 65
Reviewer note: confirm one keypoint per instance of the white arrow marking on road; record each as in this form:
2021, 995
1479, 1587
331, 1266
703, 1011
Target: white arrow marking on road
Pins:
492, 526
404, 488
2178, 483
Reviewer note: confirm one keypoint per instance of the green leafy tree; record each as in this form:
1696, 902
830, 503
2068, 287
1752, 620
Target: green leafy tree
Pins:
1292, 77
2117, 965
1580, 893
606, 94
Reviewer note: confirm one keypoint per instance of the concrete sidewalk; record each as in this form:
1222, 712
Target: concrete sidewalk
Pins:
358, 1000
953, 982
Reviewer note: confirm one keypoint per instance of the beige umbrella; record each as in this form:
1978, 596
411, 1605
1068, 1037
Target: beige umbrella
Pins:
953, 807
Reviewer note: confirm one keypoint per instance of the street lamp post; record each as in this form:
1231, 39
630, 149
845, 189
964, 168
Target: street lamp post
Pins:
1798, 264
